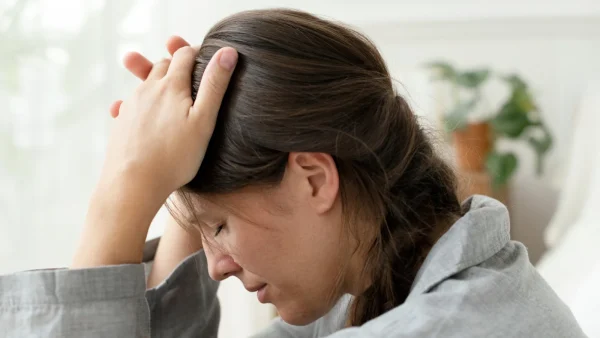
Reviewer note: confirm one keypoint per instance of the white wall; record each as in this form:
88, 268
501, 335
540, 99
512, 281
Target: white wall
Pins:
203, 14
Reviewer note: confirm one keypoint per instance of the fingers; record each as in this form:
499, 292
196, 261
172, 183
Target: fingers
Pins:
174, 43
137, 64
214, 85
182, 65
159, 70
140, 66
114, 108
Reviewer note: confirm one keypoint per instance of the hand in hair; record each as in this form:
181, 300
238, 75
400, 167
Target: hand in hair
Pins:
176, 242
140, 66
156, 146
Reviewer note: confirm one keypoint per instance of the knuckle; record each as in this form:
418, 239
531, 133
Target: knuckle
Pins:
140, 90
165, 85
165, 62
213, 86
183, 51
159, 67
162, 64
172, 81
168, 80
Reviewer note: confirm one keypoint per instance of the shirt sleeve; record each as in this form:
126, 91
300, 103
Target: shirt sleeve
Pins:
95, 302
185, 304
110, 301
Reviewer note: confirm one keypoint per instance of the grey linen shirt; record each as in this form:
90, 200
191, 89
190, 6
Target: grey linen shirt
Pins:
475, 282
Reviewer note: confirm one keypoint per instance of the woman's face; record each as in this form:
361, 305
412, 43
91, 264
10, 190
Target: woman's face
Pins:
287, 240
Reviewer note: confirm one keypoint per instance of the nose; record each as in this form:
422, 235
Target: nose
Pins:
221, 266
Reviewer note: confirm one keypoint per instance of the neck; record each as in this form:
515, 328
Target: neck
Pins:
358, 277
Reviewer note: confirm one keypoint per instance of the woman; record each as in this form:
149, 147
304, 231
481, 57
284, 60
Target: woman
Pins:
318, 189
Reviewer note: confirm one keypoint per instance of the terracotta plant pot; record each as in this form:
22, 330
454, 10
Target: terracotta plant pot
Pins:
472, 143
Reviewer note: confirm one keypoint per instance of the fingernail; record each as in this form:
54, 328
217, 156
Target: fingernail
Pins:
228, 58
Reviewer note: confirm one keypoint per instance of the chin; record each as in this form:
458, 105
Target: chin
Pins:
298, 316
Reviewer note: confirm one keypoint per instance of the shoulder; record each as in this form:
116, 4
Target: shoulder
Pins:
502, 296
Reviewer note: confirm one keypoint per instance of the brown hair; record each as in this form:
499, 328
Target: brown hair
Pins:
304, 84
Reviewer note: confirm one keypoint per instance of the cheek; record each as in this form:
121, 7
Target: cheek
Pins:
290, 246
209, 249
252, 246
289, 252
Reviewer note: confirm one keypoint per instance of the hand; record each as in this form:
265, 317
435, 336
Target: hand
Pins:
140, 66
148, 155
176, 243
160, 135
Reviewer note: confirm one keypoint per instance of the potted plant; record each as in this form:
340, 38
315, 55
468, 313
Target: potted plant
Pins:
475, 140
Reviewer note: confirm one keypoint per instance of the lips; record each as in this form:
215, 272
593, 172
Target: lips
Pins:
254, 288
262, 294
260, 290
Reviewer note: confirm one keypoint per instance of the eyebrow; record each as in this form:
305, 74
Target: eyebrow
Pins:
196, 218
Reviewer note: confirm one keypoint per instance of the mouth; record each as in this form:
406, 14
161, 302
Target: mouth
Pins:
261, 294
255, 287
260, 291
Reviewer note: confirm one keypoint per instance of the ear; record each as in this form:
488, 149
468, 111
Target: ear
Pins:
316, 176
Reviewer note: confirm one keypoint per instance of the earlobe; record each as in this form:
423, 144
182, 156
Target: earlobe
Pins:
319, 175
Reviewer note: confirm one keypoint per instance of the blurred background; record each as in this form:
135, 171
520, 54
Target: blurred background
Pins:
512, 87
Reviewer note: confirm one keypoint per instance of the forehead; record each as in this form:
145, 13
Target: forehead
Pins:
272, 199
250, 204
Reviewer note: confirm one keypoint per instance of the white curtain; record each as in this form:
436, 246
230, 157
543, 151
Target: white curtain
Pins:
579, 194
572, 264
60, 70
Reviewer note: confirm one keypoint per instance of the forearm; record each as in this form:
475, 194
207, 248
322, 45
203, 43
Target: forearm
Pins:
117, 222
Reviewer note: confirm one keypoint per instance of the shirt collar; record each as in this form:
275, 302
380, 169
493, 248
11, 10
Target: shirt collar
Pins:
478, 235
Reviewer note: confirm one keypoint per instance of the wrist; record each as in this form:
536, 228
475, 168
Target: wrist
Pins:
135, 176
119, 215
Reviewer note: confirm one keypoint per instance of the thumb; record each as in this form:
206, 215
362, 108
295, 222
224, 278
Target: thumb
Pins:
214, 85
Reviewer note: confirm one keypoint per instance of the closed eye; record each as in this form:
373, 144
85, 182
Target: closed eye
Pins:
219, 230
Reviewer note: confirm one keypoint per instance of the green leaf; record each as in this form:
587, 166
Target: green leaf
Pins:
501, 167
511, 121
523, 99
457, 118
540, 146
443, 70
472, 79
514, 81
